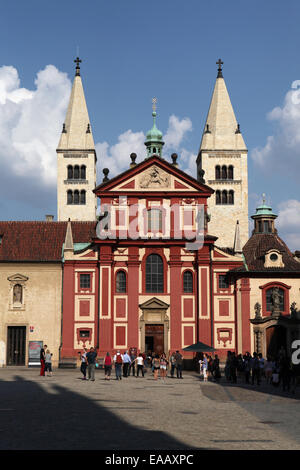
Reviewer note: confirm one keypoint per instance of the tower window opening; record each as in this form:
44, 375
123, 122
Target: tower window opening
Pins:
70, 197
76, 172
76, 197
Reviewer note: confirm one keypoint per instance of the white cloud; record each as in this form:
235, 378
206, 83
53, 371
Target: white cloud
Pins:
30, 124
288, 223
282, 150
117, 156
176, 132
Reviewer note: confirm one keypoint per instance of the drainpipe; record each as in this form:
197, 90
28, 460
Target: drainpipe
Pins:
62, 310
211, 298
197, 297
98, 316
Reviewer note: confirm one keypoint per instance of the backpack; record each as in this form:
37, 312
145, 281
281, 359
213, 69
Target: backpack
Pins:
119, 359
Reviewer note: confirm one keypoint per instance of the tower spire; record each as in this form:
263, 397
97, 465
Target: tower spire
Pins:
76, 159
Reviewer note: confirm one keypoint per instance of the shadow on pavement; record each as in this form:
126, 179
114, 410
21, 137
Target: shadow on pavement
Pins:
33, 419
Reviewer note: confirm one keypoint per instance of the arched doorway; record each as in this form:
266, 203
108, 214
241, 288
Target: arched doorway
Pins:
275, 340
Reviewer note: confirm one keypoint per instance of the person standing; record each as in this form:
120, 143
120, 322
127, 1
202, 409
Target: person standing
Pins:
179, 362
42, 359
118, 361
163, 366
91, 364
216, 368
132, 361
255, 369
247, 367
173, 364
48, 363
126, 364
156, 366
107, 366
83, 365
140, 365
204, 367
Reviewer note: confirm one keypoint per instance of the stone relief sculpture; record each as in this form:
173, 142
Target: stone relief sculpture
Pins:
154, 178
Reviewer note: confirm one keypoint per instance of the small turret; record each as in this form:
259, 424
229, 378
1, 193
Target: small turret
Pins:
154, 142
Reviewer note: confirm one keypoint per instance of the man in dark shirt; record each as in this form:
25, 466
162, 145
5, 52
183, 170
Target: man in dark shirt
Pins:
91, 361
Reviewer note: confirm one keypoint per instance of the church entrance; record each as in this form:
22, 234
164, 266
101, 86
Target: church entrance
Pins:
275, 340
154, 326
154, 338
16, 340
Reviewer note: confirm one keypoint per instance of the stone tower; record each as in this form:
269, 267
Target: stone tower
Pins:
76, 160
223, 157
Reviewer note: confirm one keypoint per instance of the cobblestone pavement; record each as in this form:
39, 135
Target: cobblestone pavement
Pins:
65, 412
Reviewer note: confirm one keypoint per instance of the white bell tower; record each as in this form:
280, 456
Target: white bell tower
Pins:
76, 160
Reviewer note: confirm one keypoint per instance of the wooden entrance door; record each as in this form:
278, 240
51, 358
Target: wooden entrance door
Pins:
16, 340
275, 339
154, 336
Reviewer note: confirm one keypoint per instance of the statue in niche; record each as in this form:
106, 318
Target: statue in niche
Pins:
257, 309
276, 298
17, 294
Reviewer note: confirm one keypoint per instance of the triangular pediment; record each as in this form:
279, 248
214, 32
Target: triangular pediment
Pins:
153, 175
154, 303
17, 278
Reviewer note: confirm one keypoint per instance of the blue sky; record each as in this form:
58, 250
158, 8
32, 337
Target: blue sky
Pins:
134, 50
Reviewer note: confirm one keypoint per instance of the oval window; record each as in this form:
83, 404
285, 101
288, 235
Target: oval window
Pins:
274, 257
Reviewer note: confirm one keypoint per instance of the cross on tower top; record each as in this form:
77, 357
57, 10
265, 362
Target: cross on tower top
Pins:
219, 63
154, 101
77, 60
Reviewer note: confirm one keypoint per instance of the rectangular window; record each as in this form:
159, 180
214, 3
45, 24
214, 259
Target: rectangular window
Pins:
223, 282
84, 333
154, 220
85, 281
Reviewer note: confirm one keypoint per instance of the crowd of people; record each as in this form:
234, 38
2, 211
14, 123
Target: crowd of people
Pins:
239, 368
131, 363
252, 369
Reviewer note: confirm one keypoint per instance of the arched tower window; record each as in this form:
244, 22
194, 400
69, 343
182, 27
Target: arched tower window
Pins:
224, 172
188, 282
70, 172
154, 274
230, 172
76, 172
224, 197
82, 196
83, 172
121, 282
76, 197
231, 197
70, 197
218, 197
218, 172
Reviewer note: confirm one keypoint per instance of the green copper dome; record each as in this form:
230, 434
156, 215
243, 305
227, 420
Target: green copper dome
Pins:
154, 134
154, 142
263, 210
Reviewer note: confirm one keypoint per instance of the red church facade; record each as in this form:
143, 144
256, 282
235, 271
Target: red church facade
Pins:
141, 283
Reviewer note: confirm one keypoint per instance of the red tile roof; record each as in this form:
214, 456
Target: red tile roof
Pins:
40, 241
256, 248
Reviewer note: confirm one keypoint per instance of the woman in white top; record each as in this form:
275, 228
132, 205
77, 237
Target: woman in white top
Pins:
48, 363
163, 366
140, 364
